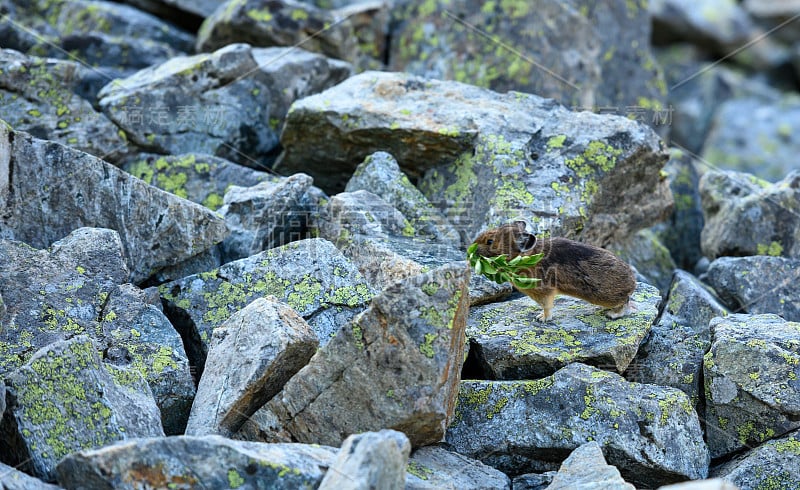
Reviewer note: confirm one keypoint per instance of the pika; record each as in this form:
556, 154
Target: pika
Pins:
567, 267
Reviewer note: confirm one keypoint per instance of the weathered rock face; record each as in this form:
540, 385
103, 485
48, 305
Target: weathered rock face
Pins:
311, 276
745, 215
518, 155
594, 52
13, 479
48, 190
651, 259
205, 462
250, 358
370, 460
432, 467
710, 484
758, 284
651, 434
66, 399
396, 365
586, 468
774, 463
672, 355
751, 383
509, 343
39, 96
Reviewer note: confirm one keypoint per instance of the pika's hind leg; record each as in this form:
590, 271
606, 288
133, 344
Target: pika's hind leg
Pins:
545, 298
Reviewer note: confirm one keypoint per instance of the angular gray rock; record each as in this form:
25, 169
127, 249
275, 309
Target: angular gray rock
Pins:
311, 276
434, 467
200, 462
66, 399
648, 255
519, 155
65, 189
758, 284
533, 481
774, 464
672, 354
745, 215
651, 434
251, 356
370, 460
594, 54
13, 479
509, 343
396, 365
751, 373
586, 469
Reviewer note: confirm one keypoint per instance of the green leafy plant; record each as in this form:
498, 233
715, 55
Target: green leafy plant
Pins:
500, 270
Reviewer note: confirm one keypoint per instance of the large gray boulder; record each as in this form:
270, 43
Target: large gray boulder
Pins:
509, 343
434, 467
65, 398
251, 356
775, 463
586, 469
204, 462
745, 215
518, 156
758, 284
396, 365
751, 373
370, 460
651, 434
48, 190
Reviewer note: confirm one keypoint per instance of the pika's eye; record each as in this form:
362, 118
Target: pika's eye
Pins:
489, 242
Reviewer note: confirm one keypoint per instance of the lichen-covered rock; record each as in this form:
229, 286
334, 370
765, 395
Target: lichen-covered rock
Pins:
751, 381
396, 365
434, 467
758, 284
651, 259
370, 460
38, 96
774, 464
672, 355
196, 462
595, 53
48, 190
311, 276
509, 343
13, 479
586, 469
65, 398
745, 215
651, 434
251, 356
194, 176
263, 216
487, 157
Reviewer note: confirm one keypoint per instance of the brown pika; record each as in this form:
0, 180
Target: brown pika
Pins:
567, 267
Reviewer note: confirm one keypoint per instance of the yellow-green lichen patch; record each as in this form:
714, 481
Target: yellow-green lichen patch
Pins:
596, 156
235, 480
427, 347
260, 15
774, 249
419, 470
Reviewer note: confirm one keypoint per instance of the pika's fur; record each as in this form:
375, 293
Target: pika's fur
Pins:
567, 267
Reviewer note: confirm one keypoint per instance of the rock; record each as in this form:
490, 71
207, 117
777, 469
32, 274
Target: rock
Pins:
750, 381
65, 189
509, 343
773, 141
514, 157
280, 23
311, 276
38, 96
13, 479
645, 252
712, 484
434, 467
381, 175
393, 366
251, 356
261, 217
586, 469
194, 176
65, 399
595, 53
672, 354
177, 8
533, 481
370, 460
745, 215
651, 434
204, 462
758, 284
774, 463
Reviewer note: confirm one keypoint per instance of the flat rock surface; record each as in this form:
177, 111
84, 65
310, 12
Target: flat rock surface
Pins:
433, 467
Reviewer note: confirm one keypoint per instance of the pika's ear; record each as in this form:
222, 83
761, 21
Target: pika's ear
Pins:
526, 242
521, 226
